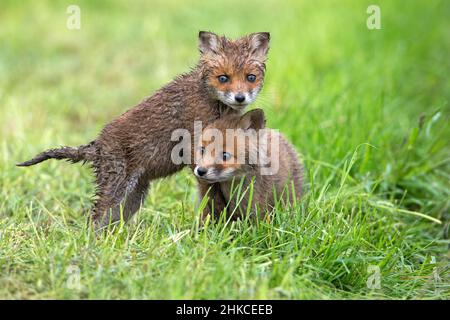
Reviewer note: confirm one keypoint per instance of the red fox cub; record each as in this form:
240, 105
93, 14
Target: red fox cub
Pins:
136, 147
237, 151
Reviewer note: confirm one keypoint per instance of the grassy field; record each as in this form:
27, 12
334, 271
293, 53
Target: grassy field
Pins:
368, 110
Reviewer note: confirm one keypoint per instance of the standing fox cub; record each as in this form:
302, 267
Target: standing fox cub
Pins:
237, 151
136, 147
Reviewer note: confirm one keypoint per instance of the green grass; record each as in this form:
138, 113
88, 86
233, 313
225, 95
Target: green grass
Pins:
368, 110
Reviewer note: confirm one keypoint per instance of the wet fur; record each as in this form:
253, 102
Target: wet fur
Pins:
135, 148
220, 194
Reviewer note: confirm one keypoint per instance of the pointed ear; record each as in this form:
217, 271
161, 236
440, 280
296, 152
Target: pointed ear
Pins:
208, 42
259, 44
253, 119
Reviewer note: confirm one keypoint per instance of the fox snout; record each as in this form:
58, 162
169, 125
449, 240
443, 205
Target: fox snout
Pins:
205, 173
200, 171
237, 100
212, 174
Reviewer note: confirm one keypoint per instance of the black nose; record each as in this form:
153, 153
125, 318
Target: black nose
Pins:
239, 98
201, 171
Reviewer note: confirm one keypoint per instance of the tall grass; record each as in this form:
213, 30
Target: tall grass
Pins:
368, 111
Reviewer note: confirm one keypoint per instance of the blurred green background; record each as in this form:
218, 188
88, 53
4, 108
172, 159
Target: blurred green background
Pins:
367, 109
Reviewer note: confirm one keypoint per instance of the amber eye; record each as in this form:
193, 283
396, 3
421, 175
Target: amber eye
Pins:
226, 156
202, 150
223, 78
251, 78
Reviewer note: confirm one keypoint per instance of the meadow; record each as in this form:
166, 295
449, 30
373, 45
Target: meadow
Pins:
367, 109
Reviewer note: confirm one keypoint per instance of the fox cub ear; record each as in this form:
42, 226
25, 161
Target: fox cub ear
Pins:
208, 42
259, 44
253, 119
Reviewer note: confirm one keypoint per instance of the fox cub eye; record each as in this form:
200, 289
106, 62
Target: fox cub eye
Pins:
223, 78
202, 150
226, 156
251, 78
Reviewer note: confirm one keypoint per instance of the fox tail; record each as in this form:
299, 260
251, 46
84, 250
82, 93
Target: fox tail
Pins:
73, 154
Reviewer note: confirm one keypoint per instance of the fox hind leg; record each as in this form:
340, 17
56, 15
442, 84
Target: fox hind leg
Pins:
135, 198
119, 195
107, 206
111, 180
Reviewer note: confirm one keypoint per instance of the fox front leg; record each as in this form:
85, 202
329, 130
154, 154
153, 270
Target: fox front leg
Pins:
216, 203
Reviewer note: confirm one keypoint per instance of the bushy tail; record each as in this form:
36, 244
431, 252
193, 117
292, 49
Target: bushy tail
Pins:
73, 154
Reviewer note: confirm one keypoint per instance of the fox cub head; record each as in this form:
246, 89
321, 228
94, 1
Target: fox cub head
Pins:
233, 70
226, 147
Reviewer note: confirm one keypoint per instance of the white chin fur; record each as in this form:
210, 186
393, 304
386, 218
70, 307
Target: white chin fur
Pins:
236, 106
230, 101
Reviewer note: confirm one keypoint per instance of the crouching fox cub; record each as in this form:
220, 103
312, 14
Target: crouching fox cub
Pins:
236, 152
